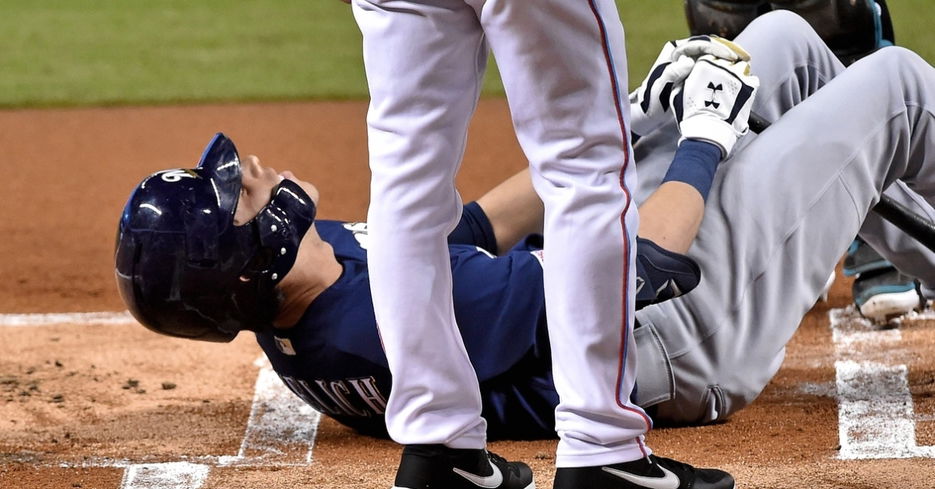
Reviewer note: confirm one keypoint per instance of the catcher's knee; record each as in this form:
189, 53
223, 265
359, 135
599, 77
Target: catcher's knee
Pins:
896, 65
779, 30
896, 56
781, 23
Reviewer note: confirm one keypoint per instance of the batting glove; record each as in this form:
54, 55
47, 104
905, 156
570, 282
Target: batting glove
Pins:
697, 46
649, 104
715, 101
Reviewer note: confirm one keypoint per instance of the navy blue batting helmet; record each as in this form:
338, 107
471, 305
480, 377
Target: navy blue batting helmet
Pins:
184, 269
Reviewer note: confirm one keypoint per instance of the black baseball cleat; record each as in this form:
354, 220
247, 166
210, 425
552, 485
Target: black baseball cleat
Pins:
647, 473
440, 467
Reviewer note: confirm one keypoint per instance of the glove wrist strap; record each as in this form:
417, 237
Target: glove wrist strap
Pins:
711, 129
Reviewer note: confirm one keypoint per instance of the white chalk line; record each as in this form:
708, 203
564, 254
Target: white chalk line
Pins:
280, 431
279, 422
876, 418
278, 419
875, 411
51, 319
172, 475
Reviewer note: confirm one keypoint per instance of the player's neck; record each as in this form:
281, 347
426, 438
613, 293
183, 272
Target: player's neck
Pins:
315, 269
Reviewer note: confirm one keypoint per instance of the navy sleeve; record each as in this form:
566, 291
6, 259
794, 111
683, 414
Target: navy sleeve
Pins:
334, 353
474, 229
499, 305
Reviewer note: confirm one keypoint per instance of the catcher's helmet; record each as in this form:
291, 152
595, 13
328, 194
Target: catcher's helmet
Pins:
851, 28
184, 269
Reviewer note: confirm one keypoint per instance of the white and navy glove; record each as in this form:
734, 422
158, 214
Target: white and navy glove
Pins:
714, 102
649, 104
697, 46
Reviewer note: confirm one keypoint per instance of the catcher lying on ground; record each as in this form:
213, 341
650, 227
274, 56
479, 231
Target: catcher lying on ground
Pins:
228, 246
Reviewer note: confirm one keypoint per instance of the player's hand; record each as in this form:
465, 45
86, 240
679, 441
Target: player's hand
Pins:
649, 104
697, 46
715, 101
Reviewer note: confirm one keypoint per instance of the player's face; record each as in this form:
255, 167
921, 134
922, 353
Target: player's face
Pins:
257, 190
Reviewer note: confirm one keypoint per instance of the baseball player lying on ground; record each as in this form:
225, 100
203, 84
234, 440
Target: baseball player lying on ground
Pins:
781, 211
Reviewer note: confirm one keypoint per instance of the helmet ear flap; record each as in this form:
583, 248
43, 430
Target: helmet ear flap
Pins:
258, 265
201, 236
280, 227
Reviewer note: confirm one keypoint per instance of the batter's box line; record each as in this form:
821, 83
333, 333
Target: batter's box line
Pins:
272, 420
12, 320
876, 418
113, 463
278, 420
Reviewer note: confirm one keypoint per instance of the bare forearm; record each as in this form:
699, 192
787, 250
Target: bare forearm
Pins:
514, 210
671, 216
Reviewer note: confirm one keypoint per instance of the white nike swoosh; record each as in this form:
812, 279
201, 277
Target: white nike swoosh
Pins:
489, 482
670, 481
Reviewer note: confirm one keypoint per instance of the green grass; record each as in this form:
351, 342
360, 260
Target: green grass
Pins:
117, 52
73, 52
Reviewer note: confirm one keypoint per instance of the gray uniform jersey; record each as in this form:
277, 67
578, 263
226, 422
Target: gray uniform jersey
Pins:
781, 212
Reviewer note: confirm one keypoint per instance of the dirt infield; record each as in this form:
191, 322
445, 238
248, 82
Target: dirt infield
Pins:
95, 401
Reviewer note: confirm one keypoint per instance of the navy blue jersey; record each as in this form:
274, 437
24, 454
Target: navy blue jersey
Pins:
334, 361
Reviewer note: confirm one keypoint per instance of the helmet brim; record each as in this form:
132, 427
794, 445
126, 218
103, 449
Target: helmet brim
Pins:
221, 163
